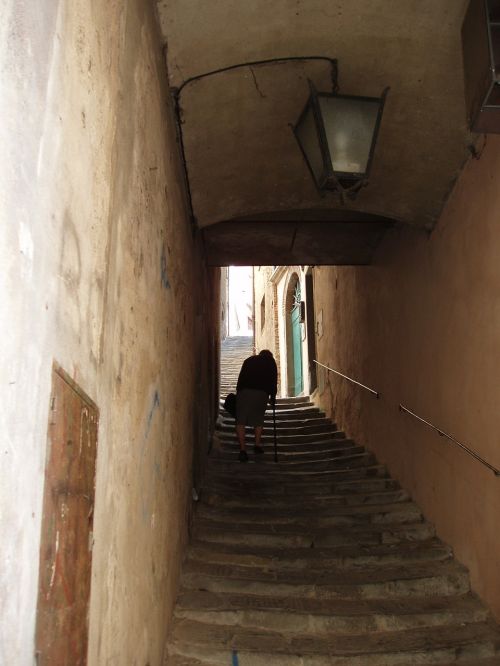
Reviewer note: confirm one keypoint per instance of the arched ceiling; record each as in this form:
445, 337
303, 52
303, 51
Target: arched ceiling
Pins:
241, 156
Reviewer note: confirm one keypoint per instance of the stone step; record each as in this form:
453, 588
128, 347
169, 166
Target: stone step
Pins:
289, 418
317, 501
259, 488
379, 582
297, 464
284, 428
316, 461
214, 644
352, 617
299, 558
314, 516
298, 438
281, 403
286, 537
292, 448
390, 580
277, 475
286, 414
214, 659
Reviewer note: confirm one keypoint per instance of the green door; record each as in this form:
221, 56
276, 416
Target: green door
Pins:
297, 343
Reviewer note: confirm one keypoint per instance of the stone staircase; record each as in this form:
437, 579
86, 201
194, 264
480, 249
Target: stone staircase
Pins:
319, 559
234, 351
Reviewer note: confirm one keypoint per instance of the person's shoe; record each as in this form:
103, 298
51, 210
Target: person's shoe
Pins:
258, 449
243, 457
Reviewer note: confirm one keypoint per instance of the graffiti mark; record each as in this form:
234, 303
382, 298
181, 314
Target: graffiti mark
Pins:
154, 407
147, 475
163, 269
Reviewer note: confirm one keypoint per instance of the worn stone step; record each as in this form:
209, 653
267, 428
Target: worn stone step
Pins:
443, 577
293, 435
426, 645
286, 421
296, 415
451, 583
209, 600
274, 473
314, 516
346, 618
317, 463
343, 554
215, 658
337, 446
431, 550
313, 438
284, 428
285, 537
261, 488
299, 402
310, 502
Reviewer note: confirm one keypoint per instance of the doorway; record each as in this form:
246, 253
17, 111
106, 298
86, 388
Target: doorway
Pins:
311, 331
294, 343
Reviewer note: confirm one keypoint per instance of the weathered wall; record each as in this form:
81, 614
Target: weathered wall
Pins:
264, 314
100, 272
243, 116
422, 327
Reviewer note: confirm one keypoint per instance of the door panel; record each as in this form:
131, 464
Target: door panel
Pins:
297, 351
66, 539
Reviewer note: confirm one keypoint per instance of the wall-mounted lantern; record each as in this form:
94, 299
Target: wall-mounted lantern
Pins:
337, 136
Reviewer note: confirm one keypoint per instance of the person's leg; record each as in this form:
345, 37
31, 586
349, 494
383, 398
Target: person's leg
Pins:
240, 433
258, 434
241, 419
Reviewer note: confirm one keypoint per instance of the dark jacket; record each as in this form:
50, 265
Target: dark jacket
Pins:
260, 373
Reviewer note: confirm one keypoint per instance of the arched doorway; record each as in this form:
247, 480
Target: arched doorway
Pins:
294, 337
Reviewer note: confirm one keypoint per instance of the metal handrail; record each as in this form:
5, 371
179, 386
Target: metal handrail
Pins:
350, 379
441, 433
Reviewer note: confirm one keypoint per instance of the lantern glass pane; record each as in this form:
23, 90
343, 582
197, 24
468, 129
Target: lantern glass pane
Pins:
349, 126
307, 134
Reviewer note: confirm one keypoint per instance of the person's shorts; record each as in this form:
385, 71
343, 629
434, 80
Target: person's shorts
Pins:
250, 407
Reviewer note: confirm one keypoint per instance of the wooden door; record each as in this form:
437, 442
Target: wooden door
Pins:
66, 539
297, 342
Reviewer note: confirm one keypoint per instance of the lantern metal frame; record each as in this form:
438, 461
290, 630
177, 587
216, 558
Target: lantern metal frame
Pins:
345, 182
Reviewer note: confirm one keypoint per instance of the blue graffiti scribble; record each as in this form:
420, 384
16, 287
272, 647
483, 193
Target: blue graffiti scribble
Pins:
154, 406
147, 488
163, 269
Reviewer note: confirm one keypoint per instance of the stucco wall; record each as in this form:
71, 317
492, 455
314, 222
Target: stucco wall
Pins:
422, 326
100, 273
265, 337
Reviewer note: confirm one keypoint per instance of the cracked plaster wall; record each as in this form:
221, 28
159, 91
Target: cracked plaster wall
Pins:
100, 273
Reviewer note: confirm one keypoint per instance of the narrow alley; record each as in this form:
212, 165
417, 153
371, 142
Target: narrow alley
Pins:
319, 559
343, 156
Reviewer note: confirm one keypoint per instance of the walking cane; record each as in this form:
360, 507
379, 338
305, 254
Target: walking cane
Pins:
275, 440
